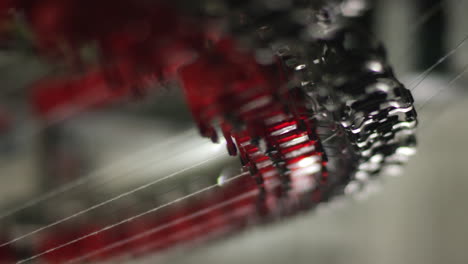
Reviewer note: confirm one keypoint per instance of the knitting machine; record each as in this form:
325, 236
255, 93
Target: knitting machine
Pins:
299, 90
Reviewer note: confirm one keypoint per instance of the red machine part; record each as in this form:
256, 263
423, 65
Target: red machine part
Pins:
220, 212
224, 85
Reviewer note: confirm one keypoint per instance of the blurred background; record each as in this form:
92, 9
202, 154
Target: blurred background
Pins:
417, 217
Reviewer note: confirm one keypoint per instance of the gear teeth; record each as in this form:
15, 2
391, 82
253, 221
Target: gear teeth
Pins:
341, 73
